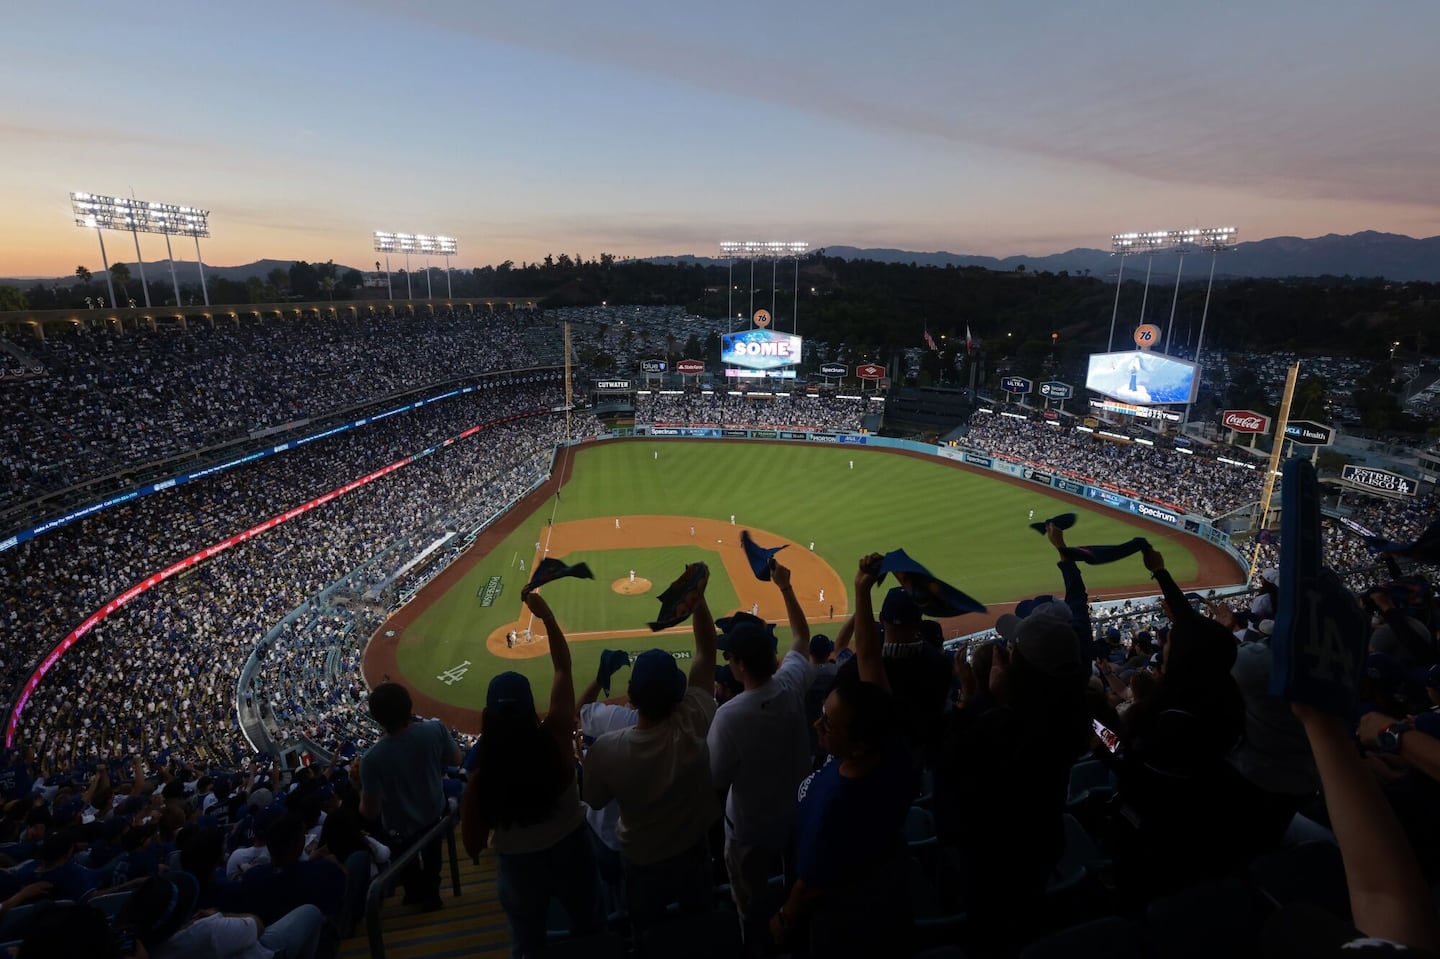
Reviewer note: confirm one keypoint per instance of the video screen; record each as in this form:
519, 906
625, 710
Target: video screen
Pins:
1136, 376
760, 349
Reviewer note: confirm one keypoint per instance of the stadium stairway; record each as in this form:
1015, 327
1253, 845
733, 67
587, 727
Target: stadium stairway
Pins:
469, 925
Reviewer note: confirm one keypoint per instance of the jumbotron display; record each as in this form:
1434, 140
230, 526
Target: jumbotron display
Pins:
764, 351
1140, 376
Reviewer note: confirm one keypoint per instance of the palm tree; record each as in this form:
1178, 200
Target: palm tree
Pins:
120, 273
83, 275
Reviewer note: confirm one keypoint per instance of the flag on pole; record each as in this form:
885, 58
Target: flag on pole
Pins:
930, 340
969, 340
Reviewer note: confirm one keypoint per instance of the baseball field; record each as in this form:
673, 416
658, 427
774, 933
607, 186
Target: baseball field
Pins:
648, 507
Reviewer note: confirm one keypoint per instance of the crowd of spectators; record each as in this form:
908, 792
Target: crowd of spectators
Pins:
162, 669
1196, 480
798, 411
109, 401
1133, 781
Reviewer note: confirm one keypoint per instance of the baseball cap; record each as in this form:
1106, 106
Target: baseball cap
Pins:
510, 690
747, 638
260, 798
821, 645
899, 608
1267, 626
655, 679
1047, 642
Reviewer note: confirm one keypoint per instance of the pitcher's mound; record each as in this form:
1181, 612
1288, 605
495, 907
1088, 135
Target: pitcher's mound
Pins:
627, 588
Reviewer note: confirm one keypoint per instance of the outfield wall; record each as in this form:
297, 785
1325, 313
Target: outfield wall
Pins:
1094, 491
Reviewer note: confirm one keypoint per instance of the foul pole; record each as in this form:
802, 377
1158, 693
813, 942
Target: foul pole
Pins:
1272, 468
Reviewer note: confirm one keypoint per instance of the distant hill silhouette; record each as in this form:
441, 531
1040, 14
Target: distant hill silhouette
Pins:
1367, 254
1390, 255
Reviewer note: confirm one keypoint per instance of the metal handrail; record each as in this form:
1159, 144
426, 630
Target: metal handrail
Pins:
445, 825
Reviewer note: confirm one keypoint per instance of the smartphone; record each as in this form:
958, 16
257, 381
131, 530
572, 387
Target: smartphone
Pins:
1106, 734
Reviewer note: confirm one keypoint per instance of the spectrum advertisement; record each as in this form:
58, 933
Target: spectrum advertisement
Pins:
760, 349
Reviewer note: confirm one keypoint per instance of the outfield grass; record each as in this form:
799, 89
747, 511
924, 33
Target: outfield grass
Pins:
968, 528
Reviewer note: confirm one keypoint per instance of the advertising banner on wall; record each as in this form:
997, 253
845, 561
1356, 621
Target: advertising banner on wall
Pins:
1382, 481
834, 369
1245, 421
1018, 385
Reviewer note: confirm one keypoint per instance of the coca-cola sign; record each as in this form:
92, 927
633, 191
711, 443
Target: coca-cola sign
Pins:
690, 367
1246, 421
869, 371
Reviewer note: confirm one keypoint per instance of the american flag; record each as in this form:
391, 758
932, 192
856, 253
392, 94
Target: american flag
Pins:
969, 340
930, 340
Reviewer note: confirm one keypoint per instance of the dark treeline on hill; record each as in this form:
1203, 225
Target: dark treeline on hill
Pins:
878, 308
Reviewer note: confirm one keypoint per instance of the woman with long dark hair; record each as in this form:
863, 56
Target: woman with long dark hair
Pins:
523, 788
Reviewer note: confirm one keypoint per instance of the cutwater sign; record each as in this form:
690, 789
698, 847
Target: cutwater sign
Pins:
1016, 384
1383, 481
491, 591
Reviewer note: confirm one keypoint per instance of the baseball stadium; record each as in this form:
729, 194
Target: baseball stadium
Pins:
244, 605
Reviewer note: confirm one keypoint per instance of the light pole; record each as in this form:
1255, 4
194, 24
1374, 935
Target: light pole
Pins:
139, 216
774, 250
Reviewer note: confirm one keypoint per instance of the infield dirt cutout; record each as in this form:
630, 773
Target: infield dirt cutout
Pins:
811, 575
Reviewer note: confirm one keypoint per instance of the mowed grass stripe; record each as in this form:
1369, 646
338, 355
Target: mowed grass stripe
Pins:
969, 528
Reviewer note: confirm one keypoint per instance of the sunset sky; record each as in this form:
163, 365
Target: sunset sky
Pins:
648, 127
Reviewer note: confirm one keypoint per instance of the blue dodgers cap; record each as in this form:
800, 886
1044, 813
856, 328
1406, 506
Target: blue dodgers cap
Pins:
899, 608
655, 679
1027, 606
747, 638
510, 690
821, 645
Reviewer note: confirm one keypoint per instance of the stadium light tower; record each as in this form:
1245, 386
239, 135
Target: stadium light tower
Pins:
170, 219
96, 216
445, 246
140, 216
1151, 242
775, 250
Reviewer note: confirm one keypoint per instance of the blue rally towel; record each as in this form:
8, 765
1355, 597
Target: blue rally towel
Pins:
935, 597
681, 597
611, 660
1063, 521
1318, 644
1424, 549
549, 570
1098, 555
759, 557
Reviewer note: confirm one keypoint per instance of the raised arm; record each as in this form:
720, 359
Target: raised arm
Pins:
799, 627
562, 687
867, 638
1388, 895
702, 670
1176, 605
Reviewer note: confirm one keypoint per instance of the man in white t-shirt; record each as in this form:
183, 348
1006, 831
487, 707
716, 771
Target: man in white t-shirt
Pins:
658, 773
760, 744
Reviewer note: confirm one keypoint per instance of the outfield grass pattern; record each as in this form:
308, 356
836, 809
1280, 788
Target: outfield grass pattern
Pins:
971, 529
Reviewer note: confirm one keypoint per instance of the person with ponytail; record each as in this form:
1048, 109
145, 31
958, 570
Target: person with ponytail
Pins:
523, 790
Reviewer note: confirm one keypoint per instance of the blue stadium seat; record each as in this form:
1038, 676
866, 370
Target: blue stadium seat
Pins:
14, 923
1087, 777
110, 903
